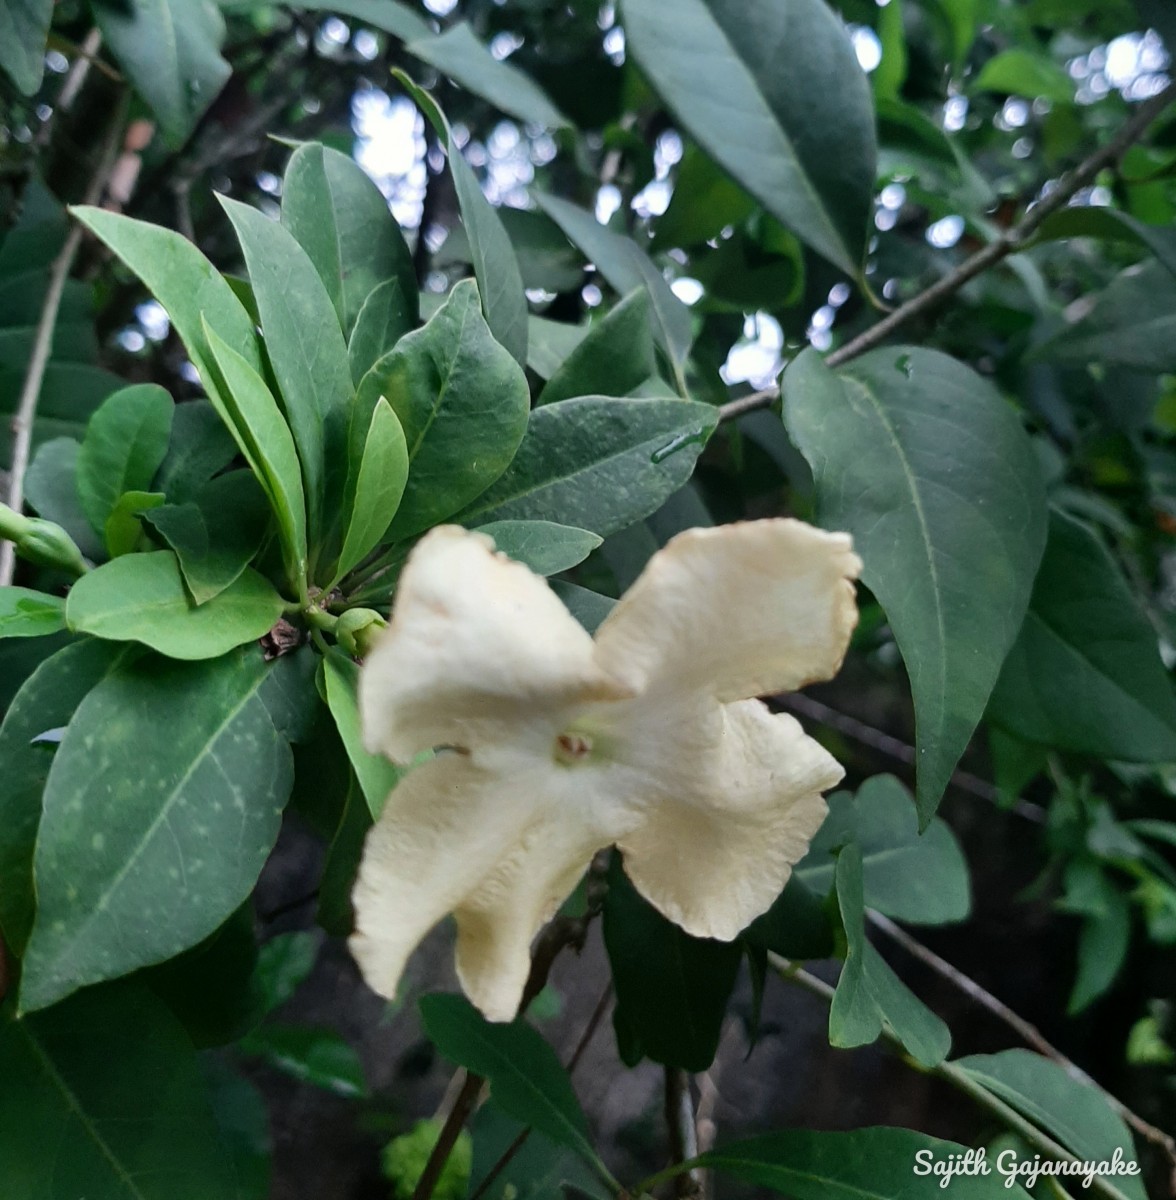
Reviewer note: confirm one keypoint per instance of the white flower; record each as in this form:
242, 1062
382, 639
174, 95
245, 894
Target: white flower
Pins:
557, 745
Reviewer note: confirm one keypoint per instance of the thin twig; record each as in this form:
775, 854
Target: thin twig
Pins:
74, 81
30, 392
1028, 1033
1009, 242
683, 1132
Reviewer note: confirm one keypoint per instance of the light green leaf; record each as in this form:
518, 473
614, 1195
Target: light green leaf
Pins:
930, 470
1074, 1113
627, 268
142, 598
462, 402
547, 548
45, 702
550, 344
24, 26
111, 1083
51, 490
1085, 673
495, 266
27, 613
913, 877
307, 354
891, 72
860, 1164
170, 51
1022, 72
124, 529
342, 221
458, 53
189, 756
615, 357
249, 410
377, 776
125, 443
201, 445
597, 462
386, 316
380, 476
752, 83
216, 535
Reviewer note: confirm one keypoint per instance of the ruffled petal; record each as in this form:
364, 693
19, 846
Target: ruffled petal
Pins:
479, 650
724, 825
736, 611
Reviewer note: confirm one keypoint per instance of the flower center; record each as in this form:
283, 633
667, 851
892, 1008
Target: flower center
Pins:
572, 747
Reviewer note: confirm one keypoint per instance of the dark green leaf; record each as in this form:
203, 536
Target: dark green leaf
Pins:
70, 393
190, 756
545, 547
342, 221
550, 344
24, 26
1102, 946
597, 463
124, 527
335, 913
201, 446
51, 490
386, 316
672, 989
588, 607
798, 924
705, 201
283, 965
316, 1056
142, 598
27, 613
1085, 673
243, 1125
930, 470
752, 84
1110, 224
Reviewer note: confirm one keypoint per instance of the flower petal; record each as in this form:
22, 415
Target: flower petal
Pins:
477, 649
718, 845
736, 611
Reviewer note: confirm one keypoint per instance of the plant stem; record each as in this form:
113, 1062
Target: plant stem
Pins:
1009, 242
683, 1132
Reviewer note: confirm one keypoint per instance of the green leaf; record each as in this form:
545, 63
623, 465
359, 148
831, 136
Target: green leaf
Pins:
283, 964
672, 989
861, 1164
342, 221
551, 343
1022, 72
243, 1124
627, 268
216, 535
588, 607
312, 371
705, 201
403, 1160
615, 357
526, 1079
869, 995
1076, 1114
930, 470
752, 84
1085, 673
51, 490
24, 26
1109, 224
458, 53
462, 402
170, 51
373, 498
125, 443
124, 528
891, 72
109, 1082
70, 394
199, 774
1102, 945
201, 446
386, 316
142, 598
392, 16
798, 925
545, 547
316, 1056
28, 613
918, 878
597, 462
335, 913
377, 776
44, 704
495, 266
250, 411
546, 259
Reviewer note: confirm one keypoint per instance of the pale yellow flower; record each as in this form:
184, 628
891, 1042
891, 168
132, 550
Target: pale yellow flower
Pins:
558, 744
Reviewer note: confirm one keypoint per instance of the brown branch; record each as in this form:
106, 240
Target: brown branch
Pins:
683, 1132
1010, 242
1028, 1033
30, 392
74, 81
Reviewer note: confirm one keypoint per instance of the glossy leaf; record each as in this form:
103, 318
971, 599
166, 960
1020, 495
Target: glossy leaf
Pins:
672, 989
111, 1083
1085, 673
462, 402
615, 357
386, 316
496, 268
170, 51
142, 598
24, 26
28, 613
46, 701
545, 547
597, 463
752, 84
125, 443
342, 221
193, 830
929, 469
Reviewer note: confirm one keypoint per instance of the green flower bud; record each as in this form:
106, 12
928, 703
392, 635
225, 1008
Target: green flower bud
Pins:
357, 630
